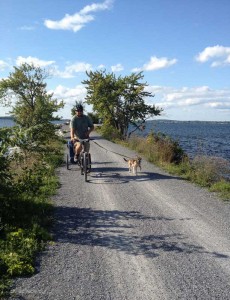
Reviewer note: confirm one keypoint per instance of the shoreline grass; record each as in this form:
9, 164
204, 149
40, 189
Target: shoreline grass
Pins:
157, 148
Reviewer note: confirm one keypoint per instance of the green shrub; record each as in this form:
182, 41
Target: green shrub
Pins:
25, 210
17, 264
222, 187
207, 171
157, 148
109, 132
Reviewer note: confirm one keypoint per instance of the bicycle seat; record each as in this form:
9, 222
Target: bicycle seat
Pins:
83, 140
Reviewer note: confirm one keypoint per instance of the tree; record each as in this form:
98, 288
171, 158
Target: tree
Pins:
25, 92
119, 101
94, 117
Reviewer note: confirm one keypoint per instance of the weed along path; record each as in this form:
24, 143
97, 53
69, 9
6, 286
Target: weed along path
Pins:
121, 236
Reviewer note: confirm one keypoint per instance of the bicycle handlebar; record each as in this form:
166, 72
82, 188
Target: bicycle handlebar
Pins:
83, 140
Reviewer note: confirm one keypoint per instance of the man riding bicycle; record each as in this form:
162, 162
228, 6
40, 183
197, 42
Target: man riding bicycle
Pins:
80, 128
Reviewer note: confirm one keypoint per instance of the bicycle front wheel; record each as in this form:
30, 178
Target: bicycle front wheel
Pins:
85, 163
67, 162
82, 164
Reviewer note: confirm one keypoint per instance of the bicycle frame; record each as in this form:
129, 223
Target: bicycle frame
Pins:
85, 159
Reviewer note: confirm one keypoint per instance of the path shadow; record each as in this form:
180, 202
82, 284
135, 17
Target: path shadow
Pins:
101, 173
101, 162
118, 230
96, 138
117, 175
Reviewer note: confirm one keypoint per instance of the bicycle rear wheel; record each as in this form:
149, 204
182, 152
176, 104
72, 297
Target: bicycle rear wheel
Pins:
89, 163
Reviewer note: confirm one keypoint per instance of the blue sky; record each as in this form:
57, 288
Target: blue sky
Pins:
182, 47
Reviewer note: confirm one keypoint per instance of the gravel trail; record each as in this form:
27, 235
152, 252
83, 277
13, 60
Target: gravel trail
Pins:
121, 236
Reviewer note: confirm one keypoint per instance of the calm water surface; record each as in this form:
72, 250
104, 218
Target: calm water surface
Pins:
196, 138
205, 138
6, 122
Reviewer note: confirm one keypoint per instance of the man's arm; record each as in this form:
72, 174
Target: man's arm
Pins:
91, 128
72, 133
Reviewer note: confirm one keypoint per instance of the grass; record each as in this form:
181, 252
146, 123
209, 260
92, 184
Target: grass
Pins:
26, 209
223, 188
206, 171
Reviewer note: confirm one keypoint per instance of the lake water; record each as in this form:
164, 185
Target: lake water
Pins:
8, 122
196, 138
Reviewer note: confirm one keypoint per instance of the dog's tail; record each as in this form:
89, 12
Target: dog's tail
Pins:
125, 159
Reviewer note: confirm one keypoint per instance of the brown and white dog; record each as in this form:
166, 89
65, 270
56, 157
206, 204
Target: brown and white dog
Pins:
133, 164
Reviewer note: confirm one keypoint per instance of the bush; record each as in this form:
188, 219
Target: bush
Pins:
158, 148
94, 117
25, 210
204, 171
109, 132
222, 187
207, 171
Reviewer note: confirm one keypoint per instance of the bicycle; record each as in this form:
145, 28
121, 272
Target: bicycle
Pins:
84, 159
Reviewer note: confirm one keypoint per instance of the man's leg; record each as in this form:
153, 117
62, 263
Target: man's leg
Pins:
77, 148
71, 152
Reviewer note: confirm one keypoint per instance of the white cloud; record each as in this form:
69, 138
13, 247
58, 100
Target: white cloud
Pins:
27, 28
156, 63
78, 20
219, 55
33, 60
97, 6
3, 65
169, 97
117, 68
71, 70
101, 66
70, 95
78, 67
181, 100
74, 22
219, 105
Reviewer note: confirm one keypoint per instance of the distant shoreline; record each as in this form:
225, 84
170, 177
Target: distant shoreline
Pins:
11, 118
156, 120
6, 117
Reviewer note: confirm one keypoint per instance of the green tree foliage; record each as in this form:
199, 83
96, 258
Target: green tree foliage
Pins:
5, 176
28, 155
94, 117
119, 101
25, 92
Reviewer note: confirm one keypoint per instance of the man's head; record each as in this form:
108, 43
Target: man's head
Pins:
79, 110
